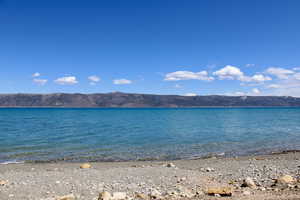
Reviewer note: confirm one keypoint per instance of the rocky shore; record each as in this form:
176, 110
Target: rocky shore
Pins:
274, 176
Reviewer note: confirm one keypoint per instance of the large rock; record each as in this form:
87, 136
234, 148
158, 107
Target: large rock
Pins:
222, 191
104, 196
286, 179
85, 166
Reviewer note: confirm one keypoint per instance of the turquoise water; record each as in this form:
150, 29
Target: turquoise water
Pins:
48, 134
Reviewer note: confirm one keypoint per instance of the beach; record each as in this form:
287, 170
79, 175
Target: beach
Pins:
179, 179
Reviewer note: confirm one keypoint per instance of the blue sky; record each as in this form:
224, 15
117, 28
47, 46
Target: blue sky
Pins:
190, 47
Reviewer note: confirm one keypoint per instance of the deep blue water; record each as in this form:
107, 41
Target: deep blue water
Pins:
43, 134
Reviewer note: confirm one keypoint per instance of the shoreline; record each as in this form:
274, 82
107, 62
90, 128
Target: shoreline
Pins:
187, 179
95, 160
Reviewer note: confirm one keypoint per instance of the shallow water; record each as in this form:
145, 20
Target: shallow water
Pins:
46, 134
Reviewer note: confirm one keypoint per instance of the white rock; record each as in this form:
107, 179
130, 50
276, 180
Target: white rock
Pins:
170, 165
155, 194
249, 182
104, 196
67, 197
119, 195
208, 169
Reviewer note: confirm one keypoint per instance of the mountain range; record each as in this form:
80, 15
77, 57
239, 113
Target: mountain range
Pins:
118, 99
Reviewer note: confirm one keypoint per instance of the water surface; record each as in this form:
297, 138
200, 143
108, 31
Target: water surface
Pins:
47, 134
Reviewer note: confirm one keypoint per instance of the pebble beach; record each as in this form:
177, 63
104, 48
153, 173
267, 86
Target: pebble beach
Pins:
275, 176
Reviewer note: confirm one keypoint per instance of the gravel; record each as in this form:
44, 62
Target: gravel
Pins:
176, 179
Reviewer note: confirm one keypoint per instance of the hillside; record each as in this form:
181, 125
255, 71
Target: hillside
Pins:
140, 100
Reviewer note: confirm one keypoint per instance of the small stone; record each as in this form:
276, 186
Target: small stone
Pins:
85, 166
248, 182
141, 196
208, 169
184, 192
104, 196
262, 189
223, 191
170, 165
200, 193
119, 195
67, 197
155, 194
246, 193
286, 179
2, 182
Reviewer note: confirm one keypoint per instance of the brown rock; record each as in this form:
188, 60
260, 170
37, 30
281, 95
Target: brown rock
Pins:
286, 179
104, 196
85, 166
2, 182
141, 196
67, 197
223, 191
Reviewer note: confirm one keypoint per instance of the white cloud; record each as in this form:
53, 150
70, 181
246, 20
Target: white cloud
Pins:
297, 76
178, 86
188, 75
296, 68
289, 86
234, 73
36, 74
190, 94
273, 86
122, 81
229, 72
250, 65
67, 80
238, 93
94, 78
280, 73
40, 81
258, 78
255, 91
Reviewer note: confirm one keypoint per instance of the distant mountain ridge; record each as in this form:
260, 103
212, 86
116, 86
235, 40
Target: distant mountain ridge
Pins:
117, 99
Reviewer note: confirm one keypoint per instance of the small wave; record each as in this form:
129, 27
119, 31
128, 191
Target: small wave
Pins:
11, 162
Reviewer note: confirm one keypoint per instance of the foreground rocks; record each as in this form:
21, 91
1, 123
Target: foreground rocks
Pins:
222, 191
270, 177
286, 179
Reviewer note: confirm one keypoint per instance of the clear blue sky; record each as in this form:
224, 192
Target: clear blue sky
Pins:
156, 46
